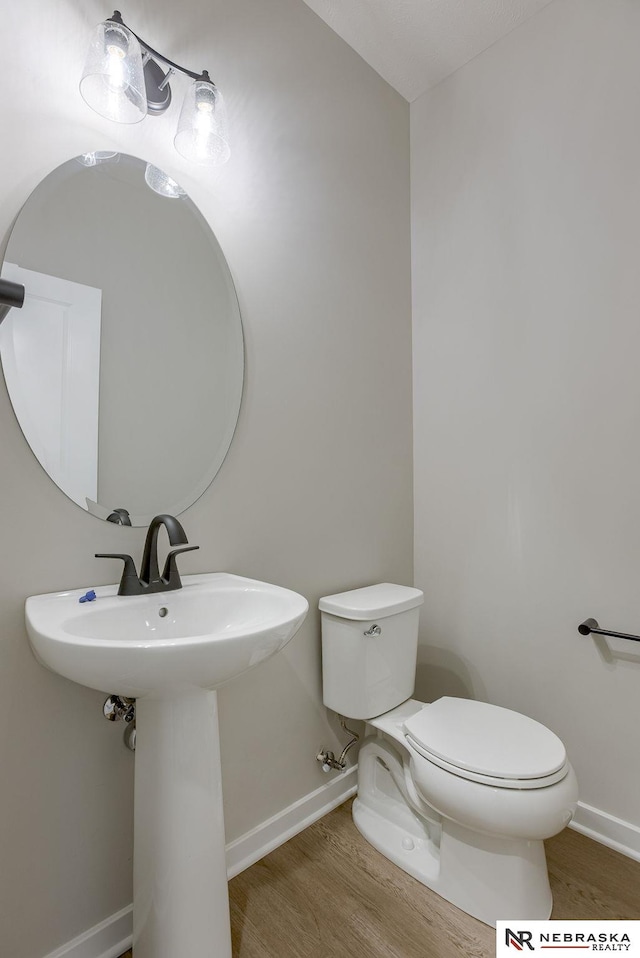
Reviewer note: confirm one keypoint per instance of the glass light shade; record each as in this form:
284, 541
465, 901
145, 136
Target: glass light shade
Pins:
160, 182
113, 80
202, 127
97, 157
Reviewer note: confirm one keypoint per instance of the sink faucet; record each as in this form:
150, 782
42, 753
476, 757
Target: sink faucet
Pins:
150, 579
120, 516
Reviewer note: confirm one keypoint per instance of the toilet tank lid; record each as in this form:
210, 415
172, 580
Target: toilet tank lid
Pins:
372, 602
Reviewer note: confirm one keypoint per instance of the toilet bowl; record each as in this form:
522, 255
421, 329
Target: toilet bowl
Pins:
458, 793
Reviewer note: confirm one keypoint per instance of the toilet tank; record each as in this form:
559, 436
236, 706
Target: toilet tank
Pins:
369, 648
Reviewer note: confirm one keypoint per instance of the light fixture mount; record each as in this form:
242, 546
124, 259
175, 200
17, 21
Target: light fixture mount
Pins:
156, 88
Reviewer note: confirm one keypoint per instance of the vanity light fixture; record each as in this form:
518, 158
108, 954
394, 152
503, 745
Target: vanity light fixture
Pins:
123, 80
11, 294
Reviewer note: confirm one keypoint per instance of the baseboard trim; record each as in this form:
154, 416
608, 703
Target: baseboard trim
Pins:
257, 843
112, 937
604, 828
109, 939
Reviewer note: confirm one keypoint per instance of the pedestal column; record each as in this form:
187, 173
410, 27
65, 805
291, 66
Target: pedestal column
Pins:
181, 903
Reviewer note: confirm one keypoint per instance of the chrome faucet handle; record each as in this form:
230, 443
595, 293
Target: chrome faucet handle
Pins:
129, 583
170, 572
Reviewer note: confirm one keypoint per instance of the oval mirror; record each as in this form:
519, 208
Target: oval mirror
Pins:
125, 364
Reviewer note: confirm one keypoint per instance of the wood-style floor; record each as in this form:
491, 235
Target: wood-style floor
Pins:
328, 894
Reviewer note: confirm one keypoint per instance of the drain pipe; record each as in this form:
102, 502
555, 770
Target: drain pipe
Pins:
328, 760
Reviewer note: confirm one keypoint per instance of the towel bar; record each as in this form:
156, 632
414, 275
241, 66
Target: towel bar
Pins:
590, 625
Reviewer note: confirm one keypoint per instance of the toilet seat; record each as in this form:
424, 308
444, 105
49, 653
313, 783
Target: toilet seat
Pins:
489, 779
487, 744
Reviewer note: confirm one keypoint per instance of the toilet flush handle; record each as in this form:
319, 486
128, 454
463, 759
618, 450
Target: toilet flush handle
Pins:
374, 630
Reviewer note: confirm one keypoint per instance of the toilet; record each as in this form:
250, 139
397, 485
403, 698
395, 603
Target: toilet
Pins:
458, 793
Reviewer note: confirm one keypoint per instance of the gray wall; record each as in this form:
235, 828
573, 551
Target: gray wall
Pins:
525, 204
313, 214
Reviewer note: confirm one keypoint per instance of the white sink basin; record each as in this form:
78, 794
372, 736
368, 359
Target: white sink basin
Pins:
217, 626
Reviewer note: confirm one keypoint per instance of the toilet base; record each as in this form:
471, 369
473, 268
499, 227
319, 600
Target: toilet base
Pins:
492, 879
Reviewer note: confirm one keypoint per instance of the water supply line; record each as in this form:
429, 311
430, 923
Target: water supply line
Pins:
328, 760
119, 708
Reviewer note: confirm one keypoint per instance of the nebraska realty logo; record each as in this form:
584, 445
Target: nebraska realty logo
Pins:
563, 936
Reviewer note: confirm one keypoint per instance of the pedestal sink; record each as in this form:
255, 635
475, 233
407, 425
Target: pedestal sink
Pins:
170, 651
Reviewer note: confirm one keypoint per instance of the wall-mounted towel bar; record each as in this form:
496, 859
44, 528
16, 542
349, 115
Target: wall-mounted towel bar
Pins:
590, 625
11, 294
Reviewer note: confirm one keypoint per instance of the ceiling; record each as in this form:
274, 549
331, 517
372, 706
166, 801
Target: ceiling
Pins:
413, 44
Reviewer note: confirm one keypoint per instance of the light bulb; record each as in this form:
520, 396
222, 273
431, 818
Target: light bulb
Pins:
116, 67
115, 51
